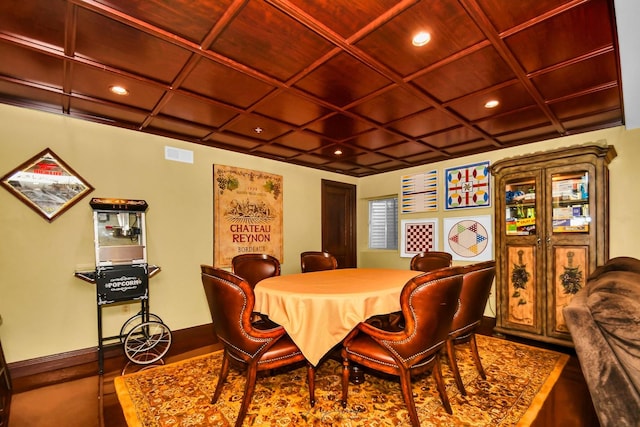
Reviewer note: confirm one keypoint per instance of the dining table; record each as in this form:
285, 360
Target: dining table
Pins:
318, 309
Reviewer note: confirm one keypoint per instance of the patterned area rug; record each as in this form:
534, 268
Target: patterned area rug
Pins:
519, 378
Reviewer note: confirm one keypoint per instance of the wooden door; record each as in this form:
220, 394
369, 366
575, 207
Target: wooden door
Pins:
339, 222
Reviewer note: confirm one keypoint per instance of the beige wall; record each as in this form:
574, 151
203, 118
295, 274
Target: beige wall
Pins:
46, 310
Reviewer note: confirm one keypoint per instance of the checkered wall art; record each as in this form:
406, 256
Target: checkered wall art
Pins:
468, 186
418, 235
469, 238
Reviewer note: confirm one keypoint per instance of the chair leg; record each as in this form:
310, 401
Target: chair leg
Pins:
437, 374
476, 356
222, 377
345, 381
407, 395
453, 364
250, 385
311, 379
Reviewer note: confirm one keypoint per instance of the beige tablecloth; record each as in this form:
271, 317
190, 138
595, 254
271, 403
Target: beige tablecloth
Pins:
319, 309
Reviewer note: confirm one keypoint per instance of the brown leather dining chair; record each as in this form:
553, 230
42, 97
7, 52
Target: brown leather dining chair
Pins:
231, 301
317, 261
255, 267
428, 302
476, 288
431, 260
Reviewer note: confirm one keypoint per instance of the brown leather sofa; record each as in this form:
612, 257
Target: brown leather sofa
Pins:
604, 321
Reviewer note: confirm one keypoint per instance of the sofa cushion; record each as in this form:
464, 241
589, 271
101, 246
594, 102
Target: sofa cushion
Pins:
614, 301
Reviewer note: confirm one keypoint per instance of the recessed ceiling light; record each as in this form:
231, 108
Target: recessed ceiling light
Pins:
119, 90
337, 152
258, 129
421, 38
492, 103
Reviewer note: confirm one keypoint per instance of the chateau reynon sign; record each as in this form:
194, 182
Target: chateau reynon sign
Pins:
247, 213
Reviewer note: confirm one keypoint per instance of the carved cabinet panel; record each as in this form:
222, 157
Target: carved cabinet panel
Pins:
551, 232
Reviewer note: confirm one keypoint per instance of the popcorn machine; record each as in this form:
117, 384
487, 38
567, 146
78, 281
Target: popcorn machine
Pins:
122, 276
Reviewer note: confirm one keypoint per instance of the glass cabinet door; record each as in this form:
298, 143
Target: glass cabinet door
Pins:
570, 202
520, 202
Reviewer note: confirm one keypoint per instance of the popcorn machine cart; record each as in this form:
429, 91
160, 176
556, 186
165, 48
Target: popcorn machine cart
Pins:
122, 276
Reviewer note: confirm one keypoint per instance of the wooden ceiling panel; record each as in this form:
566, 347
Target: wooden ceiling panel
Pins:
450, 28
354, 14
342, 80
511, 97
291, 108
106, 112
404, 149
316, 76
41, 21
579, 31
369, 159
376, 139
591, 103
191, 20
478, 70
276, 150
126, 48
516, 121
187, 108
303, 141
452, 137
15, 93
265, 39
225, 84
519, 12
577, 77
424, 123
93, 82
31, 66
340, 127
162, 124
258, 127
391, 105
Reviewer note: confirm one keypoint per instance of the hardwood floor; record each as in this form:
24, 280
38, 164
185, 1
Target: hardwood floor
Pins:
90, 401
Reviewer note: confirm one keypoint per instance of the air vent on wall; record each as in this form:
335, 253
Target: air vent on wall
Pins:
178, 154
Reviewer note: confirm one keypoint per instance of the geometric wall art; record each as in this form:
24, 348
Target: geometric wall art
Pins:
420, 192
418, 235
468, 186
469, 238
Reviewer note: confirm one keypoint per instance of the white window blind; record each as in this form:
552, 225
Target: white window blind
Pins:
383, 223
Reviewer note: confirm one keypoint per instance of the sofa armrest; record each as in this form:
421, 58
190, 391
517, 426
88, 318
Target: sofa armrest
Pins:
614, 396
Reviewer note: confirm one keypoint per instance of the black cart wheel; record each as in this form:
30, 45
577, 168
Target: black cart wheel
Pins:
147, 342
134, 321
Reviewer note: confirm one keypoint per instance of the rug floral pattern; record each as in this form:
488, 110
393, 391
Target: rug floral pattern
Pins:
518, 380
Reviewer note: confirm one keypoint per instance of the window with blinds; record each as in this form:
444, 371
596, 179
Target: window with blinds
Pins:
383, 223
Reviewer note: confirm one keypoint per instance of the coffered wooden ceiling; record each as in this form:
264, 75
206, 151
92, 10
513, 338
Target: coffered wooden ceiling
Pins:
295, 80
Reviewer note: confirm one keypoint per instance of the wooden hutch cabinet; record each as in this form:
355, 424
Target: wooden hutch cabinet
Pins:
551, 231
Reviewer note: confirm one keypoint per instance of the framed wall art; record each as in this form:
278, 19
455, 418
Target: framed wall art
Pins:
46, 184
248, 213
469, 238
468, 186
420, 192
418, 235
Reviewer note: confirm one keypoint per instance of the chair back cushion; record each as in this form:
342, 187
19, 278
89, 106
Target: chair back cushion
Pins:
231, 301
428, 261
428, 304
317, 261
476, 288
255, 267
